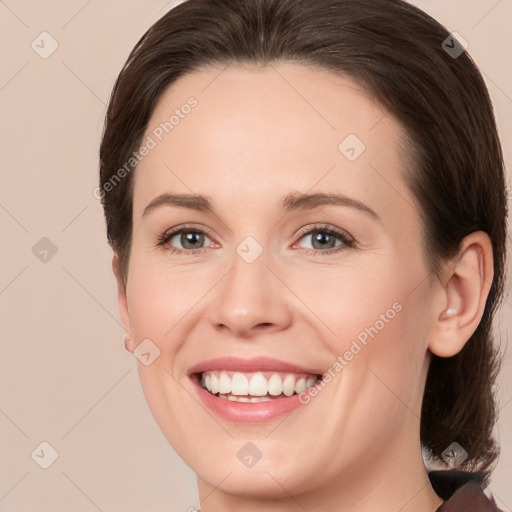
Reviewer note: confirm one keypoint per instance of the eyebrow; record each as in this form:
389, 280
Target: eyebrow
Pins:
292, 202
299, 201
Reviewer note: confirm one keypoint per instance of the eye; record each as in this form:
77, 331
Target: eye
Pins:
324, 239
190, 238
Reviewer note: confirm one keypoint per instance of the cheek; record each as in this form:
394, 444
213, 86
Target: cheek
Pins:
161, 299
378, 322
385, 359
350, 302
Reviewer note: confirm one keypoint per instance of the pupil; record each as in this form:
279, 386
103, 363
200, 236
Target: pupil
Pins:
319, 236
189, 238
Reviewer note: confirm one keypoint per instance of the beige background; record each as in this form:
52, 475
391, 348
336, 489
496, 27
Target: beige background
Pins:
65, 376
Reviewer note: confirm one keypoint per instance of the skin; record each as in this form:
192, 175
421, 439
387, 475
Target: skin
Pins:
256, 135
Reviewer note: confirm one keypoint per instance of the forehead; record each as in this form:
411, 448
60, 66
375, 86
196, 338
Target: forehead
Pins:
281, 126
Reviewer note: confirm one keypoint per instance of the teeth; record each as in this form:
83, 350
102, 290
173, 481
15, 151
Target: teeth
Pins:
224, 383
310, 382
252, 399
289, 385
239, 384
214, 383
238, 398
275, 385
300, 385
258, 386
255, 387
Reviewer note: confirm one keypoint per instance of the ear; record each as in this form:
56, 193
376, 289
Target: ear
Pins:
122, 302
466, 281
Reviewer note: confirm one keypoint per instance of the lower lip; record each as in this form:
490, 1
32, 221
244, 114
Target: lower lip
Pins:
243, 412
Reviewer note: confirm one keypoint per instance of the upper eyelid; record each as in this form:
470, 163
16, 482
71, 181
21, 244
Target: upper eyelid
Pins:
326, 227
301, 232
179, 229
339, 232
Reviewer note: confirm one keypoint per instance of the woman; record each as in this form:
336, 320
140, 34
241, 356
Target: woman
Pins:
305, 203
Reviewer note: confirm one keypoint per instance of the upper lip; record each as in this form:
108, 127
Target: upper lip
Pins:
256, 364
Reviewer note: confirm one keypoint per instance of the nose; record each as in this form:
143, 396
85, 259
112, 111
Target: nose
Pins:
251, 300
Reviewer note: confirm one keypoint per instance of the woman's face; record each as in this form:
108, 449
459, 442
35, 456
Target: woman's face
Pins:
265, 289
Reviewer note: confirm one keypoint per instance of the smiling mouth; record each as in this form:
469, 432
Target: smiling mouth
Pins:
255, 386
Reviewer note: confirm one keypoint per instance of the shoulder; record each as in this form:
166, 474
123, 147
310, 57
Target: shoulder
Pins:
461, 491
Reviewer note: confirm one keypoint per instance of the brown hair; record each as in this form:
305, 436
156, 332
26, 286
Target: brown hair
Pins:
397, 53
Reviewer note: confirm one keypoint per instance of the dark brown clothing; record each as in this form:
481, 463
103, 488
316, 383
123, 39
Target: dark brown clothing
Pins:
461, 491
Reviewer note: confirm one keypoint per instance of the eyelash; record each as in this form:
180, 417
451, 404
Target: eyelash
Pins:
346, 239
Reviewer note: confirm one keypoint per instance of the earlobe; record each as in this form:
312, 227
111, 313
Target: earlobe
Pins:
122, 303
128, 344
467, 281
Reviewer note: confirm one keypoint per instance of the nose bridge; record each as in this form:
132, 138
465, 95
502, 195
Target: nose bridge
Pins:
250, 296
